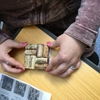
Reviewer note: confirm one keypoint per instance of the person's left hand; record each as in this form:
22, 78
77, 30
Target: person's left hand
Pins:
70, 52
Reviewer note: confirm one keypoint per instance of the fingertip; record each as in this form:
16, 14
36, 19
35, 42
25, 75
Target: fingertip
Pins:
21, 67
23, 44
47, 69
48, 43
20, 44
20, 70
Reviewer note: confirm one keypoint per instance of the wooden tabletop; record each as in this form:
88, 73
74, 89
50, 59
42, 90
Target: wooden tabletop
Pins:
84, 84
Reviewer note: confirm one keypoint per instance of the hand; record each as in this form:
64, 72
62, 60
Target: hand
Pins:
70, 52
8, 63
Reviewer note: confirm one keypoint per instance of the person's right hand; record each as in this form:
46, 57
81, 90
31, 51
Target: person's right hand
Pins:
8, 63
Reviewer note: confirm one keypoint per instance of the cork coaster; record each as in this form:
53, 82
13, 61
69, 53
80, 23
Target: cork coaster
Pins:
36, 56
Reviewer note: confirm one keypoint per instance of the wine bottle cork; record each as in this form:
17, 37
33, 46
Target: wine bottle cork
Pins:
40, 66
45, 51
29, 61
40, 50
31, 47
30, 52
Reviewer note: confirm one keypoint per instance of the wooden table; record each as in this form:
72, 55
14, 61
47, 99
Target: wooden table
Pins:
84, 84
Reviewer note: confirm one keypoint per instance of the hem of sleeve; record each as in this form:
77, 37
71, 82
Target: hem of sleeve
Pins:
81, 34
4, 37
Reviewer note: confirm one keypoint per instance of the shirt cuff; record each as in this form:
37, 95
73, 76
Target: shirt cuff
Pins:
4, 37
84, 35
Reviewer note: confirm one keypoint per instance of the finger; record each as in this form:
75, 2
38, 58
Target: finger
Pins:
69, 71
3, 68
53, 44
14, 44
11, 61
54, 63
78, 64
59, 70
8, 68
19, 45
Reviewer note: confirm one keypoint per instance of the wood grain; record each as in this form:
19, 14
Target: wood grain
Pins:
84, 84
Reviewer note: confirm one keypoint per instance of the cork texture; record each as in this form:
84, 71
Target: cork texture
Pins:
36, 56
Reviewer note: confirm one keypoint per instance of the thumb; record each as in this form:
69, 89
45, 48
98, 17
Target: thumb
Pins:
52, 44
15, 44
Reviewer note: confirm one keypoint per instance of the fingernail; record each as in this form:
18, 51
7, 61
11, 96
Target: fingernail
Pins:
22, 69
48, 43
24, 43
47, 70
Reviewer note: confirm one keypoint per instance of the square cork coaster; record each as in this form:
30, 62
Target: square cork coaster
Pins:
36, 56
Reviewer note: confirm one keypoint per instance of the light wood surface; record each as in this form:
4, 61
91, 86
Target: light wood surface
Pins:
84, 84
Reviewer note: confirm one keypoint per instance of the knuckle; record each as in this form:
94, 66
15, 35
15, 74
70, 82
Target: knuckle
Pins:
63, 57
74, 61
4, 69
68, 74
60, 70
7, 70
1, 58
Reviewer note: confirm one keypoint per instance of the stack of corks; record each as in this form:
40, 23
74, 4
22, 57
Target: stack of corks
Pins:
36, 56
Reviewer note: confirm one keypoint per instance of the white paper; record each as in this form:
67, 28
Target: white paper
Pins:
14, 89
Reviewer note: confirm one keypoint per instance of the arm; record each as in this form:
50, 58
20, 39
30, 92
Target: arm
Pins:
3, 37
78, 38
85, 27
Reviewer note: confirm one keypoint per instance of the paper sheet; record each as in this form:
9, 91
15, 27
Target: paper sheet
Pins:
14, 89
